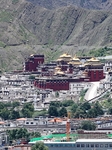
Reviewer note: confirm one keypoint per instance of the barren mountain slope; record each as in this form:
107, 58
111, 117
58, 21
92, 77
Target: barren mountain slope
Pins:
67, 25
27, 23
26, 28
89, 4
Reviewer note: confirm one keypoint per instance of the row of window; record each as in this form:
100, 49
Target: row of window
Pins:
44, 122
94, 145
81, 145
105, 125
61, 145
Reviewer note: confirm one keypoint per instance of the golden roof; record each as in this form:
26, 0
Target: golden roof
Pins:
75, 63
93, 59
57, 68
59, 72
65, 55
60, 59
75, 58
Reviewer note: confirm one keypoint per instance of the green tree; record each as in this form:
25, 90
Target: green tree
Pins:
56, 104
35, 134
91, 113
5, 114
15, 104
27, 110
98, 109
67, 103
26, 113
22, 133
14, 114
74, 108
39, 146
110, 110
52, 111
85, 106
62, 112
8, 104
80, 113
88, 125
12, 134
18, 134
2, 105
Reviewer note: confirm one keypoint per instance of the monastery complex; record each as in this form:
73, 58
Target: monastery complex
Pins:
58, 75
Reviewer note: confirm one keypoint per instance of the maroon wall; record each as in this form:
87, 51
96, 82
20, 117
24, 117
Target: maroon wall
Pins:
54, 85
32, 63
95, 75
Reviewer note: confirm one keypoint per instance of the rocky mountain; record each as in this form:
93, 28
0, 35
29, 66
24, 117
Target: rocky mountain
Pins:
89, 4
31, 26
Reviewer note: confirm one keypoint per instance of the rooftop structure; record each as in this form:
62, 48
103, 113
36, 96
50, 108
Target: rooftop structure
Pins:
75, 61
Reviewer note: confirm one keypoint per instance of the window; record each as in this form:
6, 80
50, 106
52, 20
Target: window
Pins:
27, 122
87, 145
96, 145
106, 145
78, 145
110, 145
101, 145
31, 122
92, 145
82, 145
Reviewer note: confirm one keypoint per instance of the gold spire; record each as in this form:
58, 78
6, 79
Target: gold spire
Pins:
75, 58
57, 68
92, 61
58, 71
75, 61
65, 55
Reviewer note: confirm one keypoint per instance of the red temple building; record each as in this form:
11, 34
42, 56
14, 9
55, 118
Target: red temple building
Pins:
33, 62
94, 69
59, 74
63, 61
56, 84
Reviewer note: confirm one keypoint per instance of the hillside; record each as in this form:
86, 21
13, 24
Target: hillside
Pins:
89, 4
27, 28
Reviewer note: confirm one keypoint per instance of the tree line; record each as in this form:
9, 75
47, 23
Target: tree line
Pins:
10, 111
84, 110
22, 133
